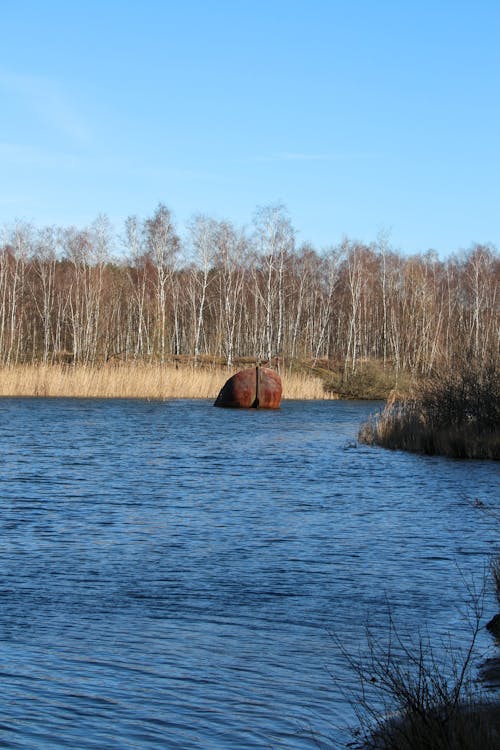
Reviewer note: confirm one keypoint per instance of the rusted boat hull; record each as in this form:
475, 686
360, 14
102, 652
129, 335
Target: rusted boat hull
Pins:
255, 388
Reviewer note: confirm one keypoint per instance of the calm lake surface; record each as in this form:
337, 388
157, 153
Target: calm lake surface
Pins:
175, 576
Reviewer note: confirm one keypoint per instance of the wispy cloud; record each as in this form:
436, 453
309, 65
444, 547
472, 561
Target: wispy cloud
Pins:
19, 155
45, 100
301, 156
292, 156
179, 173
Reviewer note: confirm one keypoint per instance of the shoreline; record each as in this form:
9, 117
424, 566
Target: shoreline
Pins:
139, 380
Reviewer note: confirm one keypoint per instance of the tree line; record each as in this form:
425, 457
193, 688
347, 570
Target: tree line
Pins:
86, 296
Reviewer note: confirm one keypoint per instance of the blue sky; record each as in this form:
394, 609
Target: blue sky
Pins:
358, 116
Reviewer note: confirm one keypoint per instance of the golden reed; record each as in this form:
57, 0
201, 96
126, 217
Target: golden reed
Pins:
136, 380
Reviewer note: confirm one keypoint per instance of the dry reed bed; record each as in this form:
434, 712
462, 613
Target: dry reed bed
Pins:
406, 426
455, 412
136, 381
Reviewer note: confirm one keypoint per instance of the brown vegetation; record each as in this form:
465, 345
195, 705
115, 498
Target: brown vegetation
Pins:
85, 297
455, 412
136, 380
407, 697
371, 380
423, 703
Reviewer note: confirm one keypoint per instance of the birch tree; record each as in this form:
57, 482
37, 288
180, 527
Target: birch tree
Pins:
275, 237
202, 232
163, 244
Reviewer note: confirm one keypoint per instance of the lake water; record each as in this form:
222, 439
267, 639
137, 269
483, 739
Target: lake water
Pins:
177, 576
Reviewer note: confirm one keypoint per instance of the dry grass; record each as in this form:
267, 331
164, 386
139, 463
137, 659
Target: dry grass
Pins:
302, 386
370, 381
470, 726
454, 413
151, 381
409, 698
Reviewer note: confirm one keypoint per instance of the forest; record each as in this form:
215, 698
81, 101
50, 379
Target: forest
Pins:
93, 295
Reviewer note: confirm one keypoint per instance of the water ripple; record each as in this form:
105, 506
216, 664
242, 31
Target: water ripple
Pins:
171, 574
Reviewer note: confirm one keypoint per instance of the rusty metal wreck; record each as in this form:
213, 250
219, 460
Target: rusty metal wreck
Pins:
255, 388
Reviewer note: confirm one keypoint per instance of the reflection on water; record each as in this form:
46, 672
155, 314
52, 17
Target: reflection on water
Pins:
171, 574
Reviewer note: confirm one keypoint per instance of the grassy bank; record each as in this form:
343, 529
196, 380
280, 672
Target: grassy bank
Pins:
371, 380
152, 381
455, 413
